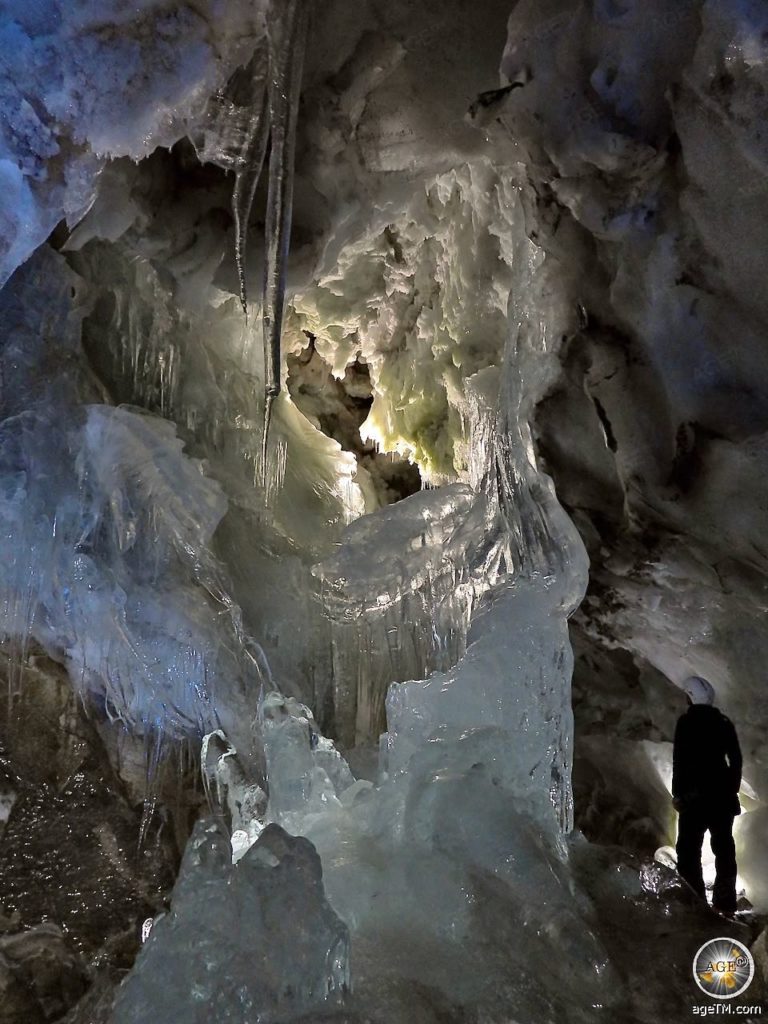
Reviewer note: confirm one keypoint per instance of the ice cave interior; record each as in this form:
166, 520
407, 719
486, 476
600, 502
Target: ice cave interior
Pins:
383, 442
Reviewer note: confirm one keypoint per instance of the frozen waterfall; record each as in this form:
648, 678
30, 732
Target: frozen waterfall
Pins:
462, 592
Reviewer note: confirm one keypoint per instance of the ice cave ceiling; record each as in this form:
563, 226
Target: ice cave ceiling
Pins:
434, 627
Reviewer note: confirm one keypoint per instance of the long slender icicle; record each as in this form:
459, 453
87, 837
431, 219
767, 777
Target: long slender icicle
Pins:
287, 40
247, 175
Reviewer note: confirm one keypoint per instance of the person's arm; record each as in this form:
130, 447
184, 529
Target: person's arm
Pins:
733, 753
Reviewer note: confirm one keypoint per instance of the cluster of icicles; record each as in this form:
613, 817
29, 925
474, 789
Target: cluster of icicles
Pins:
238, 139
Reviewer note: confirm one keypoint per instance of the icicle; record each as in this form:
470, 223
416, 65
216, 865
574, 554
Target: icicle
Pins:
275, 472
248, 173
154, 750
269, 398
287, 37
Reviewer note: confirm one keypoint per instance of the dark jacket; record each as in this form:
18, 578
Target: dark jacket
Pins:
706, 761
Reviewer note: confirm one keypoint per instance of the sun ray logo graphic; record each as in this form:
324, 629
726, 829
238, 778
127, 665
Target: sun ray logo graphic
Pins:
723, 968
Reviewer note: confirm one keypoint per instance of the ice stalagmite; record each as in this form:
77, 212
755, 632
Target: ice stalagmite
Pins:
254, 941
287, 36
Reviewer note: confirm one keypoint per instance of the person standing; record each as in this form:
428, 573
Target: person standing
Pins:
706, 777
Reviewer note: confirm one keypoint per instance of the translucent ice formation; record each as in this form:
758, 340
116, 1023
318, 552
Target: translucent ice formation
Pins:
106, 531
239, 802
253, 941
304, 770
452, 865
399, 593
470, 585
475, 787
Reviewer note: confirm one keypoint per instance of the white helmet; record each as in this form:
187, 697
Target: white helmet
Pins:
699, 690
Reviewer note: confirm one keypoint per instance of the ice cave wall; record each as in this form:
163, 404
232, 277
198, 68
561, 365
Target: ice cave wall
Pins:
654, 186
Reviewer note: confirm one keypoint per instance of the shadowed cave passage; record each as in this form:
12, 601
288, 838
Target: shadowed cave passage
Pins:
339, 407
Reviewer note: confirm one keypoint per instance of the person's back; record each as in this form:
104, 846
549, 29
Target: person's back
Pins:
705, 783
706, 752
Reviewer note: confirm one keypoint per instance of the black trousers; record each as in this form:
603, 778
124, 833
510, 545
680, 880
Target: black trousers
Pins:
696, 819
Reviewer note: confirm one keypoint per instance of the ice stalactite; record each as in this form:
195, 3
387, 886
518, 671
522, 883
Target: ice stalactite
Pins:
237, 136
147, 334
273, 111
287, 39
248, 166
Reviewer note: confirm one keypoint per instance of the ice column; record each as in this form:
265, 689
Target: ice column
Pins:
465, 590
512, 687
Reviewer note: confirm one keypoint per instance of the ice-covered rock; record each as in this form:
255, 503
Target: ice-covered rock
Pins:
156, 65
